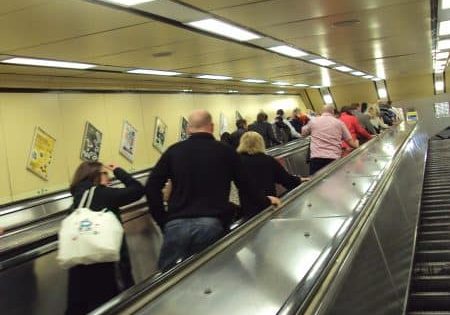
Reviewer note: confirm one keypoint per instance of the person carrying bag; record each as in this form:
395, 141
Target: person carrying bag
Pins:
90, 236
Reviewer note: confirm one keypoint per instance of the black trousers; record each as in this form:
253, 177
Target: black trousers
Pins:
315, 164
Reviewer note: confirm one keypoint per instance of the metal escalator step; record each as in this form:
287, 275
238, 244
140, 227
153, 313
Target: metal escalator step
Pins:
431, 284
432, 255
439, 268
436, 201
440, 226
428, 313
441, 244
434, 219
434, 235
434, 213
429, 301
426, 208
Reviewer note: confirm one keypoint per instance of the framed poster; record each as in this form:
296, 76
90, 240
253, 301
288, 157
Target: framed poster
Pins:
184, 129
128, 141
41, 154
238, 115
92, 142
159, 137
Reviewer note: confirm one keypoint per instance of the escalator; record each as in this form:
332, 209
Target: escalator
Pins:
430, 283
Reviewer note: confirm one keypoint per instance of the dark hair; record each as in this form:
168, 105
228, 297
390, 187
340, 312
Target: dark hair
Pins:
261, 117
364, 106
240, 123
90, 171
347, 109
225, 138
280, 112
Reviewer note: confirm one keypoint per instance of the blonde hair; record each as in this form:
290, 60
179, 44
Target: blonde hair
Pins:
251, 143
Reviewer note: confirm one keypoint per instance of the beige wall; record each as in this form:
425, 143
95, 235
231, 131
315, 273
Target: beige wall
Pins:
63, 116
354, 93
409, 88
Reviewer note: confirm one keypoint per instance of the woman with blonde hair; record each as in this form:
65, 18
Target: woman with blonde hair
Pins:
263, 170
373, 110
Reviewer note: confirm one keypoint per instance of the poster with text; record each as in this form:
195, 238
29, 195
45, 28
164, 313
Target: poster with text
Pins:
159, 138
92, 142
184, 129
41, 155
128, 141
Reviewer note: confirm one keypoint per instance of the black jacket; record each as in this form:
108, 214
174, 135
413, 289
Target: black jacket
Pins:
266, 131
108, 197
236, 137
265, 171
201, 170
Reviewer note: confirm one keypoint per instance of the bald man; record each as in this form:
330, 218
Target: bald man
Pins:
201, 170
327, 134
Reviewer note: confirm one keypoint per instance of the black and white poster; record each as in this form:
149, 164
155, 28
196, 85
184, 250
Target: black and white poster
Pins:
92, 142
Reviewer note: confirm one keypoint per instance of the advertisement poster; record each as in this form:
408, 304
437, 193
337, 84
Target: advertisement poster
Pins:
41, 155
184, 129
128, 141
159, 137
92, 142
223, 124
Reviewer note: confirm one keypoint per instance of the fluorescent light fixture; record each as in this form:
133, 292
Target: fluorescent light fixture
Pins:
323, 62
444, 44
233, 91
186, 90
48, 63
279, 83
127, 3
253, 81
368, 76
439, 85
442, 55
280, 92
358, 73
315, 86
445, 4
153, 72
328, 99
213, 77
288, 51
301, 85
224, 29
343, 69
377, 79
444, 28
382, 93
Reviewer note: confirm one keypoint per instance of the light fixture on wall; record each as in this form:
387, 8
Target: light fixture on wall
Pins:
48, 63
225, 29
154, 72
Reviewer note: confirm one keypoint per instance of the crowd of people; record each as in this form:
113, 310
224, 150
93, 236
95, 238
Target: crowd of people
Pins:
188, 191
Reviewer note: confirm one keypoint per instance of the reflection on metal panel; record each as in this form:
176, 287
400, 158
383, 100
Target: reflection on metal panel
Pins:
248, 278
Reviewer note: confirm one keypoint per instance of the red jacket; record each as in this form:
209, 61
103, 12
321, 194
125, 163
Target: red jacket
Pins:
354, 127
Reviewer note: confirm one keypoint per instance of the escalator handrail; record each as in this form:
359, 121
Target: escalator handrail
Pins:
155, 286
300, 299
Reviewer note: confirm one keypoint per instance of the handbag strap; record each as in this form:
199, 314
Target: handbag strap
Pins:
91, 196
86, 200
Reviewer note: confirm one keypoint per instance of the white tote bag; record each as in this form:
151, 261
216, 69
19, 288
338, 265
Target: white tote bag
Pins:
89, 237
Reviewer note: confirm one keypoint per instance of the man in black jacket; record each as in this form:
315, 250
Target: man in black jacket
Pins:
201, 170
262, 127
241, 125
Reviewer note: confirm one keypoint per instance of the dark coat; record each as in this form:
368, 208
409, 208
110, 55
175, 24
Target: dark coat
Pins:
266, 131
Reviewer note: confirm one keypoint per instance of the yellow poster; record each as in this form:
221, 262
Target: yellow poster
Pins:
41, 154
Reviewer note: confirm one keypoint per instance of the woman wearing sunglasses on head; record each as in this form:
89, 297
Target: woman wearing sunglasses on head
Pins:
92, 285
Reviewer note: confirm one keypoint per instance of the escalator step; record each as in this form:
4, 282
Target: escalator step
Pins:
441, 244
429, 313
434, 235
435, 219
431, 284
429, 301
434, 213
435, 207
434, 227
432, 255
439, 268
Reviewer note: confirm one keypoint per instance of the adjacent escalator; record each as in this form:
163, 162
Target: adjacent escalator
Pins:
430, 283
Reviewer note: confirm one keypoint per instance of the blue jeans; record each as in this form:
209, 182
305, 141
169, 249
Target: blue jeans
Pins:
185, 237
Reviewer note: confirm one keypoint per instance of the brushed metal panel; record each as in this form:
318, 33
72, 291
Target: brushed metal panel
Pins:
367, 288
256, 274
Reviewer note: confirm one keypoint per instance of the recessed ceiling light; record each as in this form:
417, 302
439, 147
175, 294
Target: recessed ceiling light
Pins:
153, 72
442, 55
224, 29
323, 62
445, 4
213, 77
315, 86
288, 51
233, 91
444, 28
444, 44
358, 73
48, 63
280, 92
253, 81
127, 3
344, 69
376, 79
368, 76
186, 90
439, 85
281, 83
301, 85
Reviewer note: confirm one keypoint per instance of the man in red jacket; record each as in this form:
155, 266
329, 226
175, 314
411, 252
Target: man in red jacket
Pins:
356, 130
